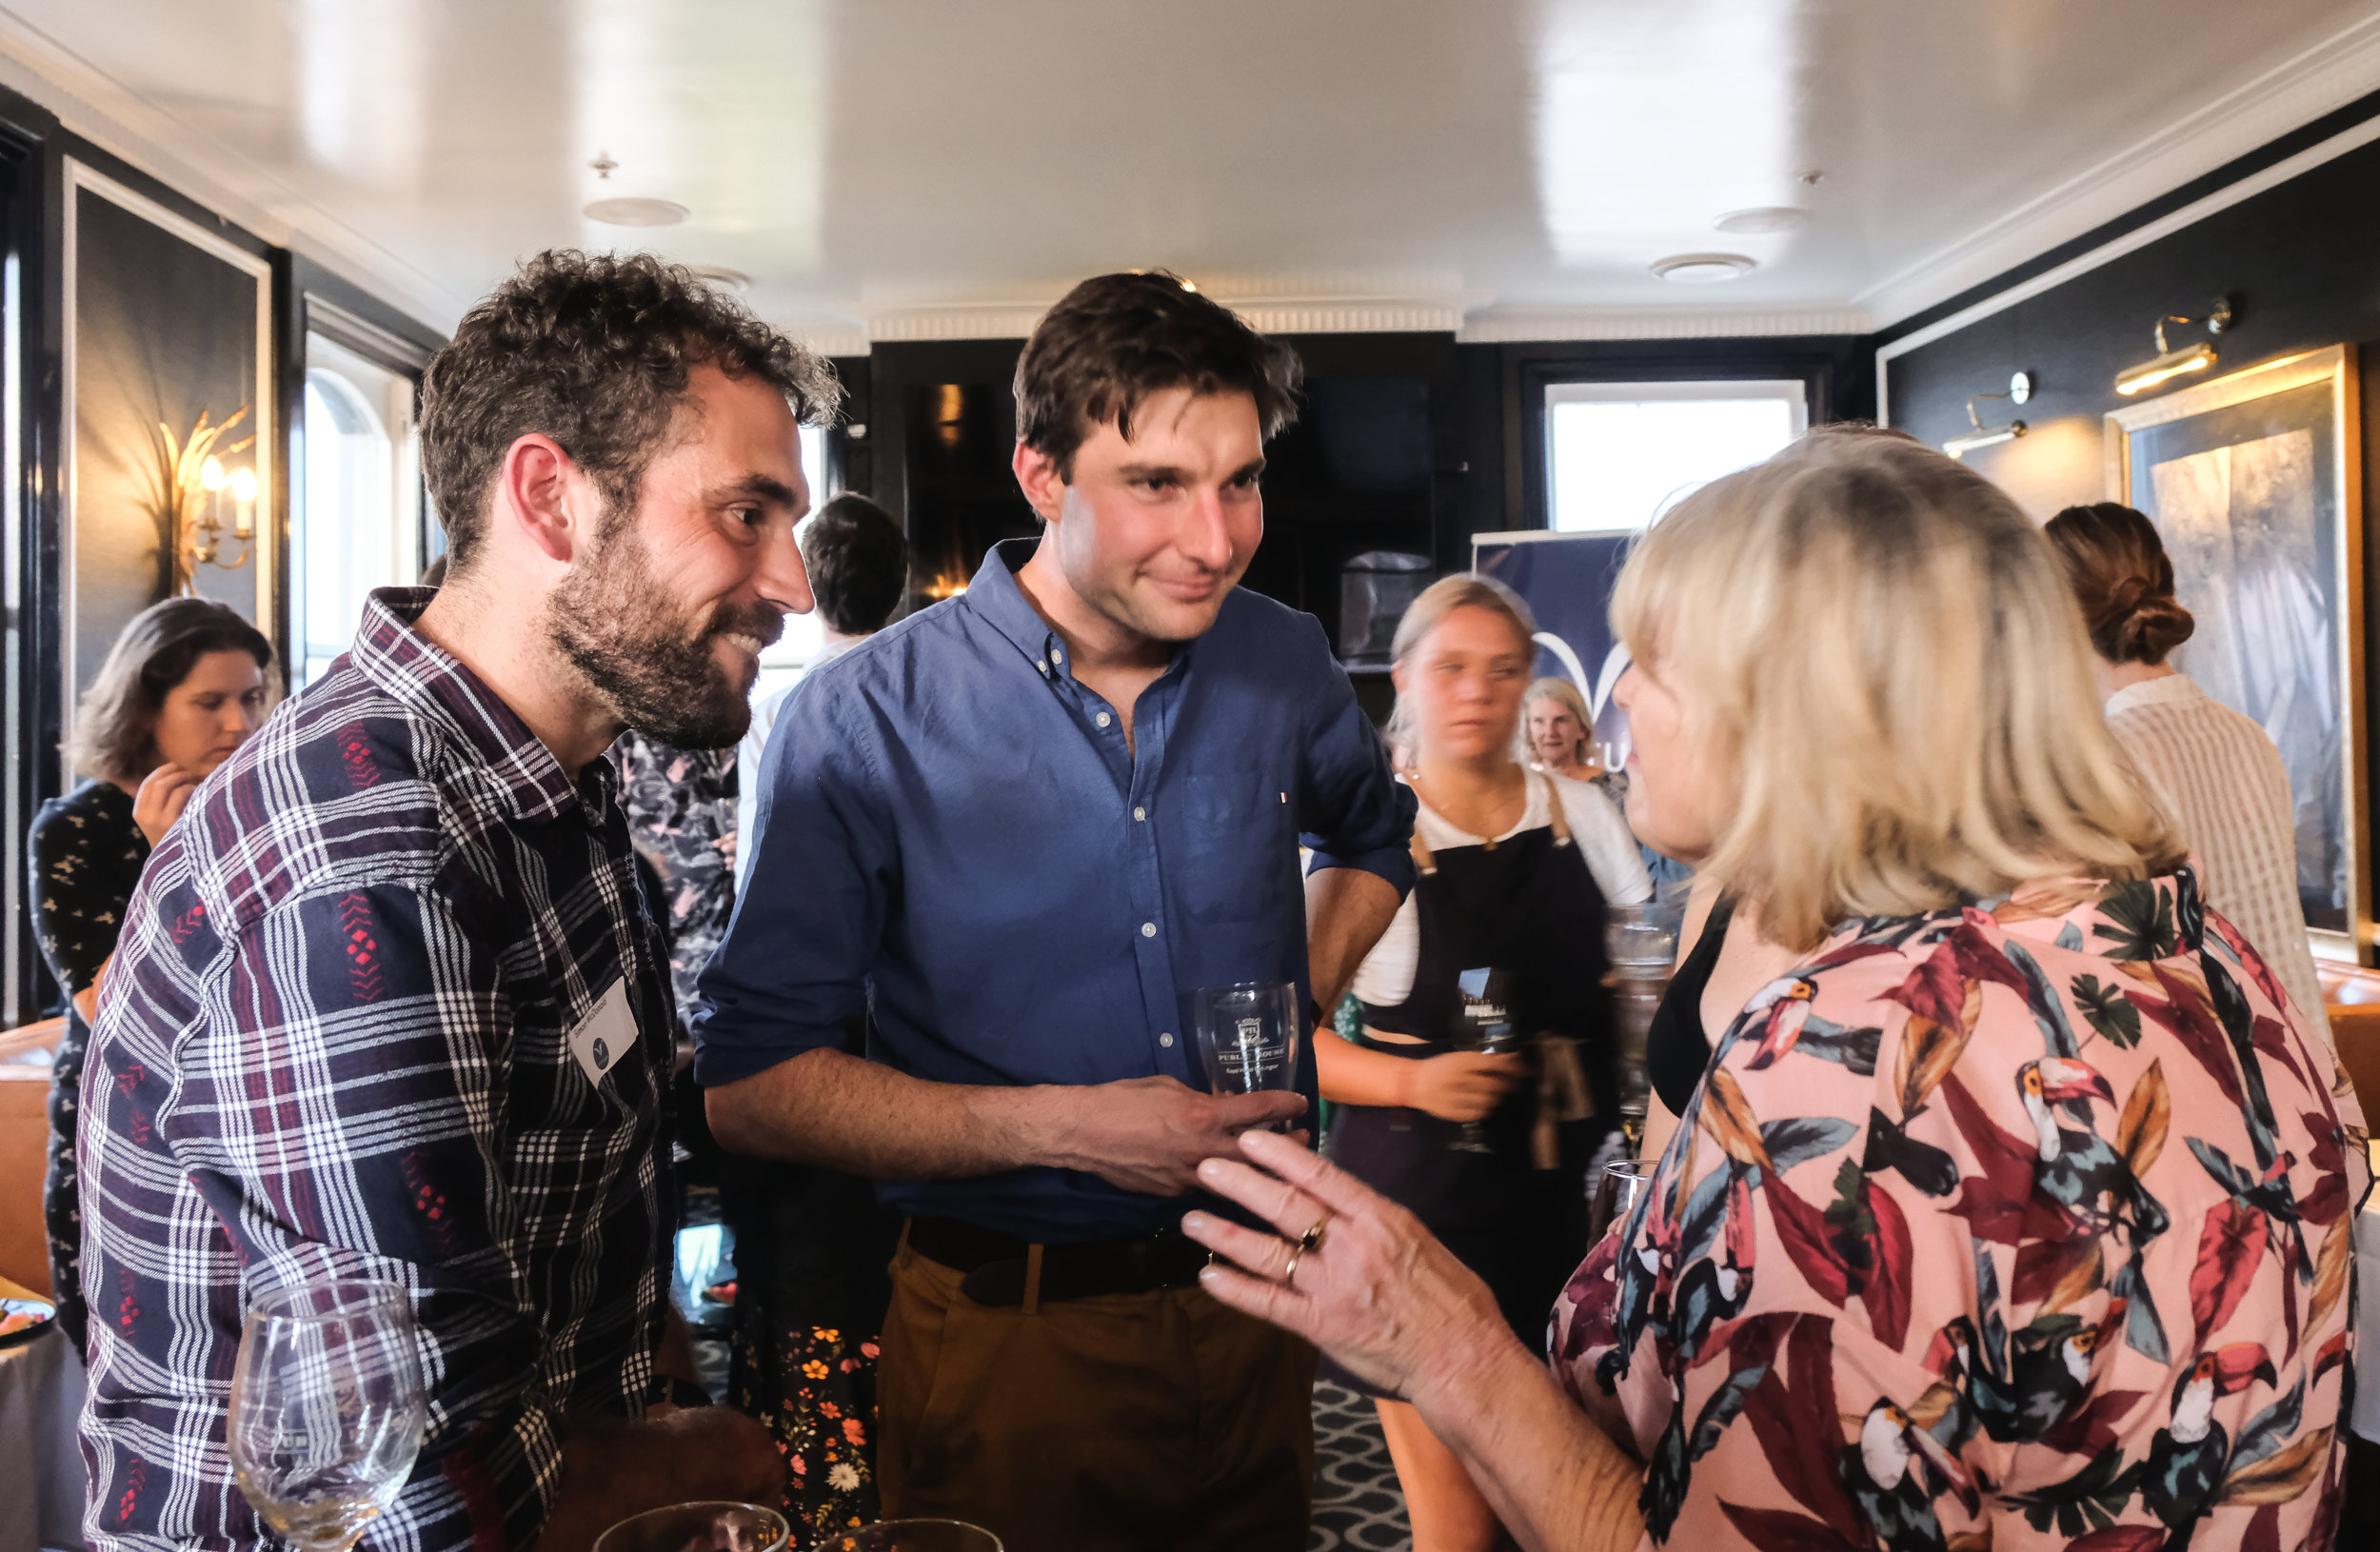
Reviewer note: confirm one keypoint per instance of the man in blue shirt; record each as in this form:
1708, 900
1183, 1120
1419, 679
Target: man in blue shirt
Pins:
1020, 829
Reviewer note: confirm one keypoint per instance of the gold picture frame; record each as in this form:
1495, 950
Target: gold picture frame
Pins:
2254, 480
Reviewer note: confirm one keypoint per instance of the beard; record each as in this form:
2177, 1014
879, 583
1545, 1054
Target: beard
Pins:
651, 657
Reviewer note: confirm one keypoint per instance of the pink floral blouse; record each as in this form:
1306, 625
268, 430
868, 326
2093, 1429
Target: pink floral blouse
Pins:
1994, 1229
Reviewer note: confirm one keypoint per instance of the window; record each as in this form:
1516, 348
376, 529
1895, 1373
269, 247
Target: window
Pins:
1619, 454
783, 662
359, 522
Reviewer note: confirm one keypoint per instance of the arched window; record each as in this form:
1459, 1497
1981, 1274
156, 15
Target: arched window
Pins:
358, 522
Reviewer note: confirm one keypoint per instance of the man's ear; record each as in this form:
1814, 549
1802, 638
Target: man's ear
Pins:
541, 493
1044, 487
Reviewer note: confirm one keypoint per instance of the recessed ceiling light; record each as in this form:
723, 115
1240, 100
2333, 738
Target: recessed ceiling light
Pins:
721, 276
1702, 269
1762, 220
637, 212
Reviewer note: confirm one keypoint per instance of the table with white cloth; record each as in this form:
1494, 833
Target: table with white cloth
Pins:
41, 1468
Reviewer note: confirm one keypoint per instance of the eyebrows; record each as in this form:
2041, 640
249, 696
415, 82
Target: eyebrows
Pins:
764, 489
1175, 474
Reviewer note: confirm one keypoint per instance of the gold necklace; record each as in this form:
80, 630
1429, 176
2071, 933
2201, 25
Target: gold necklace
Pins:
1487, 843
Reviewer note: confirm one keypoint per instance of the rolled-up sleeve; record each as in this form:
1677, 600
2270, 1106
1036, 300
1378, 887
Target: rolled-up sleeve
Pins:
1354, 814
792, 973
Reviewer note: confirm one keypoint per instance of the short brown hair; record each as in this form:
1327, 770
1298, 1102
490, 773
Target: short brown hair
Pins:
594, 350
115, 727
1114, 340
859, 564
2124, 580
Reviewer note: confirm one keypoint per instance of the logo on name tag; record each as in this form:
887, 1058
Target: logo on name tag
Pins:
606, 1033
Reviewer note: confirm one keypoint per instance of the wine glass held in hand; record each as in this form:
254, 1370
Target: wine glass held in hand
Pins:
327, 1409
699, 1527
1616, 1195
1484, 1024
1249, 1037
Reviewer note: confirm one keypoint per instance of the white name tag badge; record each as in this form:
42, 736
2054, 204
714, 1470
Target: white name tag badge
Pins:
606, 1034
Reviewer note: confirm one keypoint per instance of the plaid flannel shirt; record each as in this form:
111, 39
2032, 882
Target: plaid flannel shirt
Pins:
335, 1041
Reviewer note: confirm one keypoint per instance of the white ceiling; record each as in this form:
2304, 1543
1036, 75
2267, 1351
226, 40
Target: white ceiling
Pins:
904, 168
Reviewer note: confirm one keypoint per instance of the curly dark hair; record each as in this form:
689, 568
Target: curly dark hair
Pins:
116, 728
594, 350
1114, 340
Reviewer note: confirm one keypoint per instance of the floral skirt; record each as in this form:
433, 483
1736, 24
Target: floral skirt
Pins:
814, 1387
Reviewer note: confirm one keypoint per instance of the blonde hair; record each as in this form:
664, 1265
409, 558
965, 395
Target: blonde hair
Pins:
1881, 650
1565, 694
1464, 590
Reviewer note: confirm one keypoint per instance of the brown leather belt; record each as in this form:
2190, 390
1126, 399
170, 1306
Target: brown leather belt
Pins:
1005, 1272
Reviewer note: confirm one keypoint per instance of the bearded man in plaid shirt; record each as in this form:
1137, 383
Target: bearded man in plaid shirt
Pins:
390, 1002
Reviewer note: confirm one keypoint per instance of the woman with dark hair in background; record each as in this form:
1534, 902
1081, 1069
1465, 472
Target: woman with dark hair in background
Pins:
2218, 772
183, 687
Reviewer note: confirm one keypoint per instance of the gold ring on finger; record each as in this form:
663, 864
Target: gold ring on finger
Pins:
1312, 1239
1289, 1272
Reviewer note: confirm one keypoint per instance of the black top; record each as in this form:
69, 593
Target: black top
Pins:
86, 857
1677, 1048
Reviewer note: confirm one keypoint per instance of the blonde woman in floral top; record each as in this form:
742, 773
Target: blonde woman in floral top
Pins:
2016, 1214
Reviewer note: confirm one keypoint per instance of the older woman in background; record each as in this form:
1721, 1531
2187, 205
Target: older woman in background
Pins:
2218, 774
2017, 1210
1560, 733
183, 687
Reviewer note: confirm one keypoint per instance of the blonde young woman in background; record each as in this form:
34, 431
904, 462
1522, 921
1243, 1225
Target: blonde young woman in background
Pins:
2019, 1212
1515, 869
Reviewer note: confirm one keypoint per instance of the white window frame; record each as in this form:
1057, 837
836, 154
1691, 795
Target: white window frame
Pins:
1793, 390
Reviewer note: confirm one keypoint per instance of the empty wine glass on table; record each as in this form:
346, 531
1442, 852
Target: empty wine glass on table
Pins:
1249, 1037
699, 1527
327, 1409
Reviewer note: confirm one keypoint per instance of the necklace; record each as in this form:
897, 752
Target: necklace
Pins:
1487, 842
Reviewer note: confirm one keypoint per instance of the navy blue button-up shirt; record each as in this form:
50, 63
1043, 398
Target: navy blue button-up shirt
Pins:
952, 834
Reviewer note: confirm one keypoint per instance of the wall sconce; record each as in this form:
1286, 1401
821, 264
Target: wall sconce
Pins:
193, 481
2171, 364
2019, 389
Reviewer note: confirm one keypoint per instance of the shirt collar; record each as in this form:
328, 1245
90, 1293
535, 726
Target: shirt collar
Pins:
996, 596
520, 771
2166, 690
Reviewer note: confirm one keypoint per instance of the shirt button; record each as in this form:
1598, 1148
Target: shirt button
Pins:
1056, 656
1148, 929
1166, 1039
1103, 719
1038, 664
1141, 814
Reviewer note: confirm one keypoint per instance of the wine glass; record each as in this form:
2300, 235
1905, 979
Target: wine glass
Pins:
1484, 1024
326, 1408
699, 1527
1249, 1037
1616, 1195
914, 1536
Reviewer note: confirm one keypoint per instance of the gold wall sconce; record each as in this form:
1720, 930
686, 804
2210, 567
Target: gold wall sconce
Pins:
2170, 364
195, 482
2019, 389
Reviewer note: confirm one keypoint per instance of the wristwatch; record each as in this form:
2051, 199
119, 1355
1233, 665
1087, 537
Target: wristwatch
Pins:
669, 1390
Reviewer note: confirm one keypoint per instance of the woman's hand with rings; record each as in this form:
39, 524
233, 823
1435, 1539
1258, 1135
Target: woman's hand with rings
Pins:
1386, 1300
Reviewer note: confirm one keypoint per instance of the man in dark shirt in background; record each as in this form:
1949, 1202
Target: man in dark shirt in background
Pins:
1019, 829
389, 1001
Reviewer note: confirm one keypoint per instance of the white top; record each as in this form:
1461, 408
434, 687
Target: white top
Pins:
2222, 781
754, 745
1602, 837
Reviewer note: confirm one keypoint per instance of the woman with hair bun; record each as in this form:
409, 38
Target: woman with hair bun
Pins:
2218, 774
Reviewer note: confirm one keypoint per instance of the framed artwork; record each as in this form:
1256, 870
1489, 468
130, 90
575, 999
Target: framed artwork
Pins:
2255, 481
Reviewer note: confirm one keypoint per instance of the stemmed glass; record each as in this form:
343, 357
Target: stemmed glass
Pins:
326, 1408
1616, 1195
699, 1527
914, 1536
1249, 1037
1484, 1025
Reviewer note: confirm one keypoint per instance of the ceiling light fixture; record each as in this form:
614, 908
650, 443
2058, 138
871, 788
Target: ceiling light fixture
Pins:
1702, 269
1762, 220
2019, 389
2169, 365
721, 277
637, 212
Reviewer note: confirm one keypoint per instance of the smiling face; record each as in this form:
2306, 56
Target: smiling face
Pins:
668, 615
1554, 733
1676, 802
1152, 533
210, 713
1463, 682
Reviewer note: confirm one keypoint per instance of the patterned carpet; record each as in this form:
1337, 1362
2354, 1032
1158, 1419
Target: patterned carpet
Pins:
1355, 1501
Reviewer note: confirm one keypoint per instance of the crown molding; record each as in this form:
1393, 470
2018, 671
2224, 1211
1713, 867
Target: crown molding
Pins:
2325, 77
1263, 309
1521, 324
109, 115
